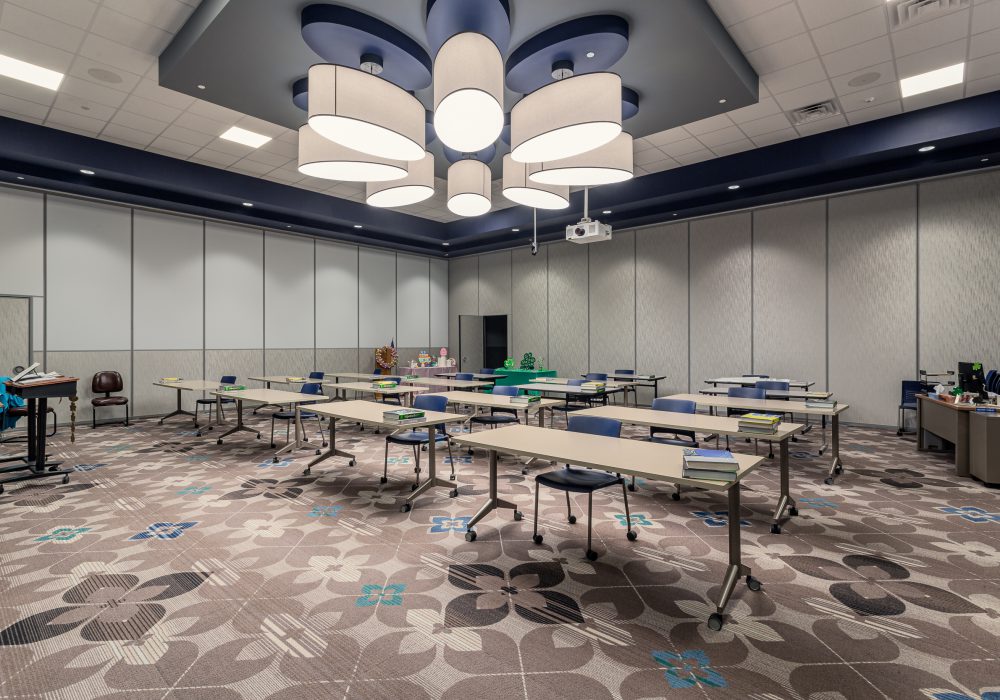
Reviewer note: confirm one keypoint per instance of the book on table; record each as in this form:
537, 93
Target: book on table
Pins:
170, 379
295, 379
690, 473
592, 387
402, 414
764, 423
232, 387
710, 460
817, 395
821, 403
526, 398
384, 385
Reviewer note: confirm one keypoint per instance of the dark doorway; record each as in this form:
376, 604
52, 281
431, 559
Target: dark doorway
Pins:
494, 341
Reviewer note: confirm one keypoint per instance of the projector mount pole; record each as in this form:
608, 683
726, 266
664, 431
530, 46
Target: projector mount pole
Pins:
586, 205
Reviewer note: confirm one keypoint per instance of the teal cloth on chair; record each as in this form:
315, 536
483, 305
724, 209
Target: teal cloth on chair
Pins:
8, 401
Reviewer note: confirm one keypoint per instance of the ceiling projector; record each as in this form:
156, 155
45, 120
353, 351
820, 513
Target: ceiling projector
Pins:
588, 231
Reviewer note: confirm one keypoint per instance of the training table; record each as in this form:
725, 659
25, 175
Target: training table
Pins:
568, 391
270, 397
622, 456
753, 379
337, 376
650, 381
187, 385
366, 388
447, 383
776, 393
476, 376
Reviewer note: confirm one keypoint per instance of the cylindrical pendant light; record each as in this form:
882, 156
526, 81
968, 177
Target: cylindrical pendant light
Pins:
417, 186
566, 118
518, 188
320, 157
468, 92
469, 188
612, 162
366, 113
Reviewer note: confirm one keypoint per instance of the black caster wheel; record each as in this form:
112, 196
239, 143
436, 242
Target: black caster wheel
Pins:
572, 520
518, 516
1, 489
715, 622
352, 463
793, 511
753, 584
258, 436
306, 472
382, 480
524, 471
273, 446
631, 487
828, 481
632, 535
451, 477
470, 536
325, 444
413, 487
537, 539
676, 496
424, 448
65, 479
775, 529
405, 508
274, 459
453, 493
219, 441
592, 555
839, 469
319, 452
469, 452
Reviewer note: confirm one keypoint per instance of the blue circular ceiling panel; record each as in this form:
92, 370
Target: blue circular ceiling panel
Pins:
446, 18
592, 44
505, 132
630, 103
341, 35
486, 155
429, 134
300, 93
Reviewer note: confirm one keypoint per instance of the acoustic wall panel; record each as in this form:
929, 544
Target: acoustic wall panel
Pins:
336, 295
959, 271
289, 291
789, 291
290, 362
234, 277
413, 301
243, 363
873, 258
529, 304
377, 297
149, 366
568, 313
89, 275
720, 297
494, 283
168, 264
661, 306
22, 240
15, 338
612, 303
85, 365
463, 294
439, 302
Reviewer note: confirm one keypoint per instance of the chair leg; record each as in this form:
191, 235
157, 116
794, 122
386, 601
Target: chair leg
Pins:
385, 465
126, 415
569, 510
319, 425
591, 554
630, 534
536, 538
55, 424
416, 482
899, 421
272, 430
451, 458
93, 418
631, 486
288, 430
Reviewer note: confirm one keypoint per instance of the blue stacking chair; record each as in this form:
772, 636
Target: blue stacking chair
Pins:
907, 401
226, 379
289, 415
572, 479
419, 438
633, 389
499, 416
681, 438
487, 370
465, 376
577, 404
596, 377
990, 383
390, 399
316, 375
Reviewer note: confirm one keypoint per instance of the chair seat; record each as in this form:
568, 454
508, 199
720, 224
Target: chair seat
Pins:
577, 480
109, 401
22, 411
570, 407
290, 415
908, 405
413, 437
205, 401
495, 419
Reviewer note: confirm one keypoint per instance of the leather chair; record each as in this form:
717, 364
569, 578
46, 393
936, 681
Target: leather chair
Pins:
106, 382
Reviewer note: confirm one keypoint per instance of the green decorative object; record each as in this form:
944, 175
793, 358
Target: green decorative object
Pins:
508, 363
528, 361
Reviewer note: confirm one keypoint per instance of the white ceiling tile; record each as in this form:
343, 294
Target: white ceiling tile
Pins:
811, 94
281, 148
231, 147
886, 74
877, 111
129, 31
775, 137
927, 35
795, 77
23, 108
982, 67
286, 175
150, 90
114, 54
984, 44
641, 144
273, 159
168, 15
868, 98
92, 92
695, 156
728, 149
148, 108
934, 97
203, 124
75, 12
25, 49
85, 69
660, 165
986, 16
83, 107
775, 122
682, 148
80, 123
138, 121
179, 133
932, 59
173, 147
26, 91
820, 12
820, 125
650, 155
703, 126
766, 107
259, 126
852, 30
980, 87
730, 12
767, 28
855, 58
662, 138
213, 157
49, 31
125, 134
722, 136
213, 111
782, 54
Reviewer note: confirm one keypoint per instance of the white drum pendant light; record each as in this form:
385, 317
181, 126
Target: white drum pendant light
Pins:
612, 162
319, 157
566, 118
468, 92
517, 188
469, 188
366, 113
417, 186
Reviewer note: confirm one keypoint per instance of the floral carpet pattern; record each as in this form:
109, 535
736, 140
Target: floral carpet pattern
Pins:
173, 567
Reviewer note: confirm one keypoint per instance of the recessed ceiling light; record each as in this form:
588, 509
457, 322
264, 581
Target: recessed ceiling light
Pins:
247, 138
358, 226
516, 230
21, 177
869, 100
926, 149
446, 243
674, 214
606, 211
722, 101
248, 204
591, 54
105, 76
734, 187
201, 87
30, 73
932, 80
984, 160
86, 172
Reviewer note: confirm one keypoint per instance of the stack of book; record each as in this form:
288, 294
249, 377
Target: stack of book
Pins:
525, 399
718, 465
232, 387
593, 387
402, 415
295, 379
821, 403
765, 423
170, 379
383, 384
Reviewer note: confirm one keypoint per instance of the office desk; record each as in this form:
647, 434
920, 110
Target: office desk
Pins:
371, 413
269, 397
751, 381
772, 406
627, 457
949, 422
186, 385
366, 388
717, 425
448, 383
35, 462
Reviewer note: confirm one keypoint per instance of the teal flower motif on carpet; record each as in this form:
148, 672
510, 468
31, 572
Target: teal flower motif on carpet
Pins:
373, 594
63, 534
718, 518
194, 490
446, 523
689, 669
818, 503
325, 511
972, 514
637, 519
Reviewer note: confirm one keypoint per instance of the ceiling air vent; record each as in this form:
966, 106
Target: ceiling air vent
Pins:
810, 113
903, 13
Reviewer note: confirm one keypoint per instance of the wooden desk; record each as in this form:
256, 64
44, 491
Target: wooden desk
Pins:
269, 397
628, 457
187, 385
370, 412
752, 381
949, 422
35, 462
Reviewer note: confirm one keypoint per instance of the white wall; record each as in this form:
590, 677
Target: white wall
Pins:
289, 291
234, 295
377, 297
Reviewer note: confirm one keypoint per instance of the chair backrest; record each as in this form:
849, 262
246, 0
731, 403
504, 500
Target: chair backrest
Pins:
464, 376
228, 379
597, 377
312, 388
910, 389
674, 405
624, 371
747, 392
595, 425
106, 381
991, 377
431, 402
487, 370
575, 382
772, 385
390, 379
506, 391
316, 375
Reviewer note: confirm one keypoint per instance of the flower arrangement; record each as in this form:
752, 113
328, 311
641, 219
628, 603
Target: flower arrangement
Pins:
386, 357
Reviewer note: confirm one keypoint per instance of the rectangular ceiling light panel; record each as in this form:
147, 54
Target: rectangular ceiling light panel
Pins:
932, 80
247, 138
30, 73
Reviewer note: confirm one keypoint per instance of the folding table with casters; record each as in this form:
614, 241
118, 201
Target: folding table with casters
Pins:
263, 397
186, 385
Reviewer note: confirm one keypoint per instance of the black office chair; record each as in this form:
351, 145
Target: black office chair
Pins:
907, 401
106, 382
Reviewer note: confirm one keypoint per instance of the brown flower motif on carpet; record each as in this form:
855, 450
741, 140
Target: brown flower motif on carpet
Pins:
495, 593
113, 606
41, 498
289, 489
903, 478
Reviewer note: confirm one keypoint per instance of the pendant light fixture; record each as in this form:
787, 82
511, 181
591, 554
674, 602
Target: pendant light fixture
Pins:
468, 92
610, 163
519, 189
361, 111
469, 188
319, 157
417, 186
570, 116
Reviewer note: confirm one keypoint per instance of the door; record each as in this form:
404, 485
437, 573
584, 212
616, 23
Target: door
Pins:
470, 343
15, 333
495, 347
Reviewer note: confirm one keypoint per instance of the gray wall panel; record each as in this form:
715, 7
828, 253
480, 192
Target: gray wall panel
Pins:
150, 366
872, 300
439, 303
494, 283
289, 291
84, 365
661, 277
720, 297
463, 295
22, 242
413, 301
337, 359
612, 304
243, 363
291, 362
377, 297
15, 333
529, 308
568, 315
336, 295
234, 277
789, 291
960, 271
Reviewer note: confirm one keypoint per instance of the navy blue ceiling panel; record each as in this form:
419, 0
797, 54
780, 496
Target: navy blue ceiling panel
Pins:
446, 18
486, 155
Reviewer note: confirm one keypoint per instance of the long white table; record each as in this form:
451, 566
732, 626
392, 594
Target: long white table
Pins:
798, 394
186, 385
476, 376
273, 397
366, 388
622, 456
337, 376
753, 379
439, 382
651, 381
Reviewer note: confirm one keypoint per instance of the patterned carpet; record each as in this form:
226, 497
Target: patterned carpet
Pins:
170, 567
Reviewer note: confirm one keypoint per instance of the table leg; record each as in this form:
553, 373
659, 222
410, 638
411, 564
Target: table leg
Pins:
37, 467
332, 452
921, 434
239, 423
785, 500
493, 503
432, 478
300, 443
32, 429
836, 465
180, 411
736, 567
